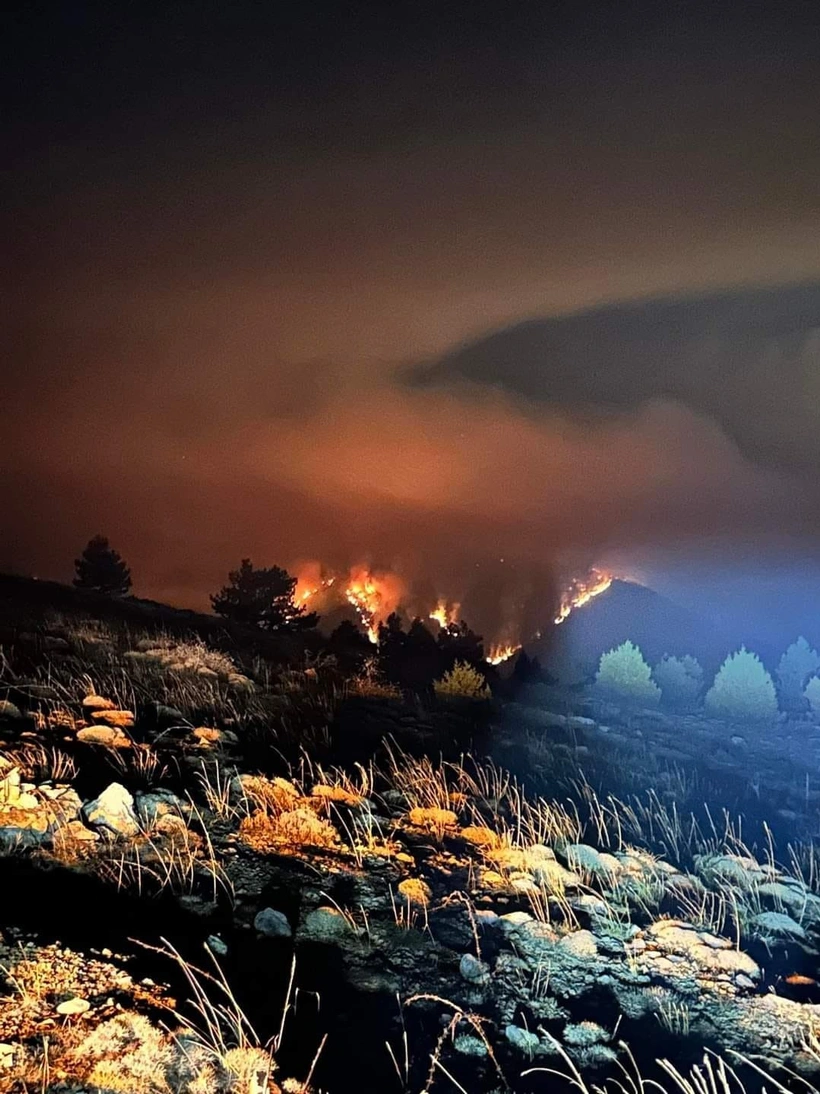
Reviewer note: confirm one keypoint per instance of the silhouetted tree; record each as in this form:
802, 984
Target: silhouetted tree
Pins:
528, 670
349, 646
262, 598
391, 646
102, 569
413, 659
422, 658
458, 643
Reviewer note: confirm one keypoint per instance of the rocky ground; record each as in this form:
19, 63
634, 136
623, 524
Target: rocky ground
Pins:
305, 895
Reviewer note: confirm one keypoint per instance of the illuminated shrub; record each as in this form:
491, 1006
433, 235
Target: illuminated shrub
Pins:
297, 827
812, 693
797, 664
624, 676
680, 680
462, 682
743, 690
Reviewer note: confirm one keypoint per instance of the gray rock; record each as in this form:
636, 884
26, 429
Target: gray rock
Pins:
168, 714
779, 925
216, 945
272, 923
473, 970
9, 710
523, 1040
150, 807
113, 811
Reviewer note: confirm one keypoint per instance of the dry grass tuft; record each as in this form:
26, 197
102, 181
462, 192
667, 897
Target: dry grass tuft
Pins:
296, 827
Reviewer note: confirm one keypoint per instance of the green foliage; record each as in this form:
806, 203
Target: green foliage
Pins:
101, 569
463, 681
625, 676
680, 680
743, 690
797, 664
262, 598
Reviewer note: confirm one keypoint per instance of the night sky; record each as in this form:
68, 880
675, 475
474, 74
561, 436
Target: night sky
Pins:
429, 285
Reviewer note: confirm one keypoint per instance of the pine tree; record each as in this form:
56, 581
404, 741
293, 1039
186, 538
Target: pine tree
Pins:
680, 680
262, 598
797, 664
102, 569
624, 676
743, 690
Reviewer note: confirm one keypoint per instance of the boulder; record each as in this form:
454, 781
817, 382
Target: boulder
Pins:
107, 736
23, 828
113, 812
73, 1007
472, 970
97, 702
152, 807
272, 923
117, 719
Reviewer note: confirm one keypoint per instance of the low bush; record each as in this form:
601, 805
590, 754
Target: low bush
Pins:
797, 664
812, 694
743, 690
680, 680
624, 676
462, 682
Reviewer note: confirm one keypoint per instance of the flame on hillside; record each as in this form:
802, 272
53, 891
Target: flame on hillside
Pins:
446, 615
581, 591
312, 582
499, 653
373, 594
363, 594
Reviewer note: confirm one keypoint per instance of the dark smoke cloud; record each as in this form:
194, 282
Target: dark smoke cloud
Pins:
233, 229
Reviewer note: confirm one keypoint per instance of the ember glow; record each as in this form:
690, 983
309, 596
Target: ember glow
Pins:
581, 591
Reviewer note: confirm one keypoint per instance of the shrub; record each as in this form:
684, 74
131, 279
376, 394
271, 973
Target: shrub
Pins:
812, 694
797, 664
680, 680
192, 656
624, 675
462, 682
743, 690
298, 827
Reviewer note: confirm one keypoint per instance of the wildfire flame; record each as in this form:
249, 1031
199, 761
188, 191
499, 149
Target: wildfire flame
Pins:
581, 591
445, 616
374, 594
363, 594
499, 653
303, 595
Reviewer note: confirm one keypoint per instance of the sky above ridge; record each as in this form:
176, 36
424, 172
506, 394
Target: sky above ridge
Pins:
237, 234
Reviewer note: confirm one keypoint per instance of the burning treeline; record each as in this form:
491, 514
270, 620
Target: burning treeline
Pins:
374, 594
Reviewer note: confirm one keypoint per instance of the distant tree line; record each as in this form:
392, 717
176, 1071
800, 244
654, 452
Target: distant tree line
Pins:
742, 690
408, 656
